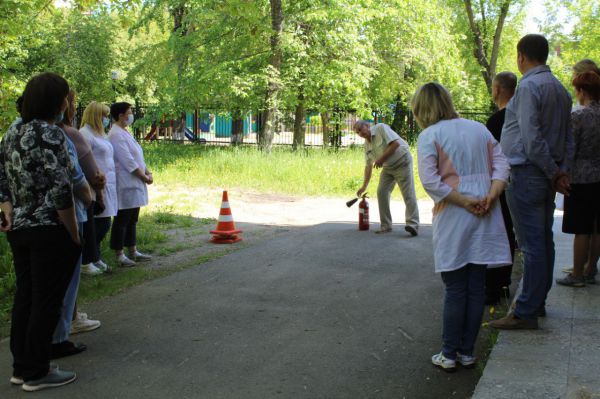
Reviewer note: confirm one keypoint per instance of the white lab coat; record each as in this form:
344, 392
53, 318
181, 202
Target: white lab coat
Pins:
128, 156
462, 155
103, 153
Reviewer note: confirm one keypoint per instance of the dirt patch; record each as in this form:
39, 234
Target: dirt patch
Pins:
277, 209
260, 215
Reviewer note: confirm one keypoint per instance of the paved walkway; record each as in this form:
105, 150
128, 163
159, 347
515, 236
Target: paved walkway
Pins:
317, 312
320, 312
558, 361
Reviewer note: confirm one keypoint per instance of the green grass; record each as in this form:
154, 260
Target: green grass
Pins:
182, 168
97, 287
310, 172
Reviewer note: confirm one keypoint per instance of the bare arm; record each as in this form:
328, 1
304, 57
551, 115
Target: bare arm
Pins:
139, 173
495, 190
366, 179
472, 205
83, 193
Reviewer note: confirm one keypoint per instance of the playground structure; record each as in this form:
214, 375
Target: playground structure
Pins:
216, 127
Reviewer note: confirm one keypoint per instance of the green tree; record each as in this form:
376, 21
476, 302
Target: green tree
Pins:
582, 42
485, 22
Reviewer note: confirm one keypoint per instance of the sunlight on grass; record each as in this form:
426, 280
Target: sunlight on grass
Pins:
311, 172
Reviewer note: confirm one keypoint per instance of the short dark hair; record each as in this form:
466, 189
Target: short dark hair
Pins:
43, 97
589, 82
116, 109
19, 104
506, 80
534, 47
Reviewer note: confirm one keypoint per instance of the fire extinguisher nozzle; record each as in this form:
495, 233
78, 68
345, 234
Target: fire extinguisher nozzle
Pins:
351, 202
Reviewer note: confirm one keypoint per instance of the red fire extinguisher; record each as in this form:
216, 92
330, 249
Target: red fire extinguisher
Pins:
363, 213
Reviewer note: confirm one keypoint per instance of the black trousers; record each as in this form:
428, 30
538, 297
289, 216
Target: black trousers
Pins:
44, 258
90, 249
499, 277
102, 226
123, 233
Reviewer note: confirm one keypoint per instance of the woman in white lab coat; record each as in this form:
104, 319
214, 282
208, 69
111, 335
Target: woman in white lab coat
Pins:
95, 119
132, 178
462, 168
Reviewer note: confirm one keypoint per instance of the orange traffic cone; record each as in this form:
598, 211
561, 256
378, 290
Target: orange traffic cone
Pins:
225, 232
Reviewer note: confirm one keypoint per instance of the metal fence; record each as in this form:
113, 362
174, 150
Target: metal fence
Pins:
209, 126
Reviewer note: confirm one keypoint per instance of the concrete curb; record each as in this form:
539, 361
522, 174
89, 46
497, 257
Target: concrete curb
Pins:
558, 361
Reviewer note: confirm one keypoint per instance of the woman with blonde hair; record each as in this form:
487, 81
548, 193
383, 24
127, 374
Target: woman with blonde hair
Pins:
462, 168
93, 124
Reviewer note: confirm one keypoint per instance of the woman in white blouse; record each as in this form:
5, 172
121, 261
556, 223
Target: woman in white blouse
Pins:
95, 119
462, 168
132, 178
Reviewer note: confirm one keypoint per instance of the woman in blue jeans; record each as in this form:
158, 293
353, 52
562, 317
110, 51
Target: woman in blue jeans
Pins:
462, 168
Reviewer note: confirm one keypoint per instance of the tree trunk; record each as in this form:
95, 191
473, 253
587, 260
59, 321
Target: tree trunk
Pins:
273, 86
326, 133
480, 51
399, 123
299, 124
237, 127
180, 29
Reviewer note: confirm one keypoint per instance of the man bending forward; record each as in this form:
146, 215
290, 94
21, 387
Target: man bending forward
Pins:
385, 149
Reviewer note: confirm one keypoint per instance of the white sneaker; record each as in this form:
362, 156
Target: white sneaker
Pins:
101, 265
443, 362
125, 261
466, 361
83, 324
140, 257
16, 380
90, 270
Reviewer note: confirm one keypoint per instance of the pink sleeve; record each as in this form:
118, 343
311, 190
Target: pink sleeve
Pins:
429, 174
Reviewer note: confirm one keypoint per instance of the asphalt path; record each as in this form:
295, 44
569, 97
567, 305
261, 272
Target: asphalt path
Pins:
318, 312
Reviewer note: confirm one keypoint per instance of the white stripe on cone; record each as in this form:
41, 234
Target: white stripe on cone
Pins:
225, 205
225, 218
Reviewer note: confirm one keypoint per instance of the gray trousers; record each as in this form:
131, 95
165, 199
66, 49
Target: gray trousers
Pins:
400, 172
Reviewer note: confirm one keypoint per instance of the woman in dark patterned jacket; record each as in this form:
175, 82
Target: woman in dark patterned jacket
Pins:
582, 206
36, 199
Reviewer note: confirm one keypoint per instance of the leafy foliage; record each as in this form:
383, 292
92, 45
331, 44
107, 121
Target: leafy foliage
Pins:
348, 54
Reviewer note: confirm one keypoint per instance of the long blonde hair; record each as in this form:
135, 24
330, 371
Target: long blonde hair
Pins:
432, 103
93, 116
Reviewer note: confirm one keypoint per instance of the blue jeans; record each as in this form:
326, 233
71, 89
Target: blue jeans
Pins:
530, 198
63, 327
463, 309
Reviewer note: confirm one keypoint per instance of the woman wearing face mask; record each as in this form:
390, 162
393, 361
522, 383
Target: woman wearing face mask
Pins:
36, 199
132, 178
94, 122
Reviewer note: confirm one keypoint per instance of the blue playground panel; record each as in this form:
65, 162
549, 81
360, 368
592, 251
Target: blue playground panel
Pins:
220, 125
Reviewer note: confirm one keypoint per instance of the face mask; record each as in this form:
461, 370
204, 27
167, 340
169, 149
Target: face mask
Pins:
105, 121
59, 118
129, 119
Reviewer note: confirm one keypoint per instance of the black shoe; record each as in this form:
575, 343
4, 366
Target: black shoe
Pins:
541, 312
411, 230
66, 348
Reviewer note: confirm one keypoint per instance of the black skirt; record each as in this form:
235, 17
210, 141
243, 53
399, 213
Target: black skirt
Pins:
582, 209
